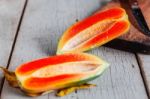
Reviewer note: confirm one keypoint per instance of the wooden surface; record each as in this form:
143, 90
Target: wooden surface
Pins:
43, 22
10, 13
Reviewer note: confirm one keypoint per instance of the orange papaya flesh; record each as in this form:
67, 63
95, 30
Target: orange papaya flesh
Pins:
93, 26
54, 60
79, 69
111, 33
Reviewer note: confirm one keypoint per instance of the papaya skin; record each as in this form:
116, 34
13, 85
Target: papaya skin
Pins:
93, 26
32, 81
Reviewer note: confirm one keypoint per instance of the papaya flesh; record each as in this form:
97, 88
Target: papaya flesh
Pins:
56, 72
94, 31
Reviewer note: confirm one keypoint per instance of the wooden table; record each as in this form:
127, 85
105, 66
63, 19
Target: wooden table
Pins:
30, 30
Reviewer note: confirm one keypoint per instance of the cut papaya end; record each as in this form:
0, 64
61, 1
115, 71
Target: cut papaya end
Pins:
30, 67
116, 30
110, 15
62, 75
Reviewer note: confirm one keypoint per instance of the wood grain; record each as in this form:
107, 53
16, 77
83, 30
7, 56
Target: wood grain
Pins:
44, 22
10, 12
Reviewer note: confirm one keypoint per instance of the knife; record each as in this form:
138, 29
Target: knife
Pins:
133, 42
136, 11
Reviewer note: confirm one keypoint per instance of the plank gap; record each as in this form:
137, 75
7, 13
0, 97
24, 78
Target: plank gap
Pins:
142, 75
14, 42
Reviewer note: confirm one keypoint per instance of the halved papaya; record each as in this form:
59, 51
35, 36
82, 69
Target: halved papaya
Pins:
71, 70
57, 72
94, 31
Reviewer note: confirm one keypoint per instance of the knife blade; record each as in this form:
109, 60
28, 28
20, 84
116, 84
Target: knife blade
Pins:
136, 11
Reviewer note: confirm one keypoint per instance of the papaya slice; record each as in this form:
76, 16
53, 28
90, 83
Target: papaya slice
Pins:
94, 31
56, 72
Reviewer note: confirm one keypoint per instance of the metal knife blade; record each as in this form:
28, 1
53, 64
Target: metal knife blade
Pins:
139, 17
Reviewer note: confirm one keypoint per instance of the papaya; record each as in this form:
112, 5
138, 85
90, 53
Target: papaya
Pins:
94, 31
71, 69
56, 72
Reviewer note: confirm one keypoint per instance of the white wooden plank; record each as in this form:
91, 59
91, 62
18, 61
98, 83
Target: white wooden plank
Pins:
44, 22
10, 12
144, 61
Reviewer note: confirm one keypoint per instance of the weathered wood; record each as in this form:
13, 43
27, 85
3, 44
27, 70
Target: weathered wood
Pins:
10, 13
144, 62
44, 22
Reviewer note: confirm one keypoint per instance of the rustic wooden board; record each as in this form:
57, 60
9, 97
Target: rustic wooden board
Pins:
144, 61
10, 13
44, 22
